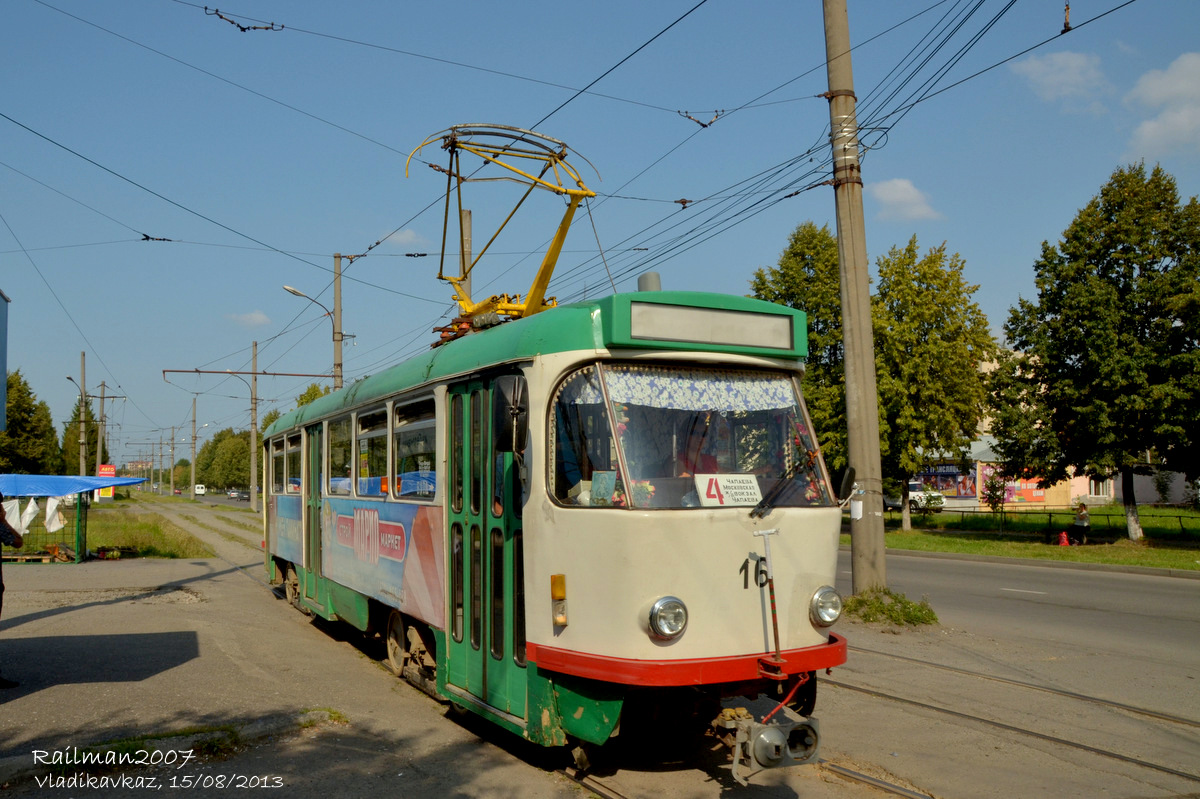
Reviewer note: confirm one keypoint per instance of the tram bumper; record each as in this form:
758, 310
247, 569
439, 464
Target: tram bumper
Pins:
757, 746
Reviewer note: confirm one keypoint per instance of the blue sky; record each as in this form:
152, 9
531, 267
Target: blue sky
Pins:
261, 153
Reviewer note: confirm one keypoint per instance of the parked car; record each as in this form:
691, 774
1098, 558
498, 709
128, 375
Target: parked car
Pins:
920, 498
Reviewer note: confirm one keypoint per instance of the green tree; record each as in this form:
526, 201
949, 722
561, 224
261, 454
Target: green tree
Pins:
267, 420
30, 444
931, 343
69, 443
1111, 343
224, 460
995, 492
231, 462
311, 394
182, 471
807, 278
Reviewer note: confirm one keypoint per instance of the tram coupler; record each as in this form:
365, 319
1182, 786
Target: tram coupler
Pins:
757, 747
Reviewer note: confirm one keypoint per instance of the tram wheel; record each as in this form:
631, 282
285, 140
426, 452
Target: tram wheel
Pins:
291, 586
397, 646
291, 589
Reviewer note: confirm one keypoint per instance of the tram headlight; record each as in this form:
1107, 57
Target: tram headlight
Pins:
668, 618
826, 606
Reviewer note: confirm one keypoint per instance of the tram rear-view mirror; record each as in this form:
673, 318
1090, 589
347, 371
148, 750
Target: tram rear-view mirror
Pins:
510, 413
847, 484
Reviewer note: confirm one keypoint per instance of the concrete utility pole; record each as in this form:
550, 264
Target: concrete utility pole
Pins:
82, 415
193, 447
100, 432
337, 321
335, 316
254, 428
862, 399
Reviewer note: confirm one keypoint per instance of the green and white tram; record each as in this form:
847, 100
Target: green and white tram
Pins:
596, 520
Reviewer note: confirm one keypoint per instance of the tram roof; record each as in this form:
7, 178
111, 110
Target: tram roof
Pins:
674, 320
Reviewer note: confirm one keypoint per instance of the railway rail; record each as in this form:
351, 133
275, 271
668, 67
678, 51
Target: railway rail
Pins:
1025, 731
604, 790
1141, 711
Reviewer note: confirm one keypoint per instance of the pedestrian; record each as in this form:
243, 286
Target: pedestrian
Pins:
12, 538
1079, 529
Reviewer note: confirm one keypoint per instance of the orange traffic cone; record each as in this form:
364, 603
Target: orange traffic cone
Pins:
1062, 539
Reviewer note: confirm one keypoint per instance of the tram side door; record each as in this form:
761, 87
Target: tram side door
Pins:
486, 631
311, 499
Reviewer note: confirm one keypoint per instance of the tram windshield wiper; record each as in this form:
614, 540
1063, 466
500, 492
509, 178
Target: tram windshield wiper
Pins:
767, 503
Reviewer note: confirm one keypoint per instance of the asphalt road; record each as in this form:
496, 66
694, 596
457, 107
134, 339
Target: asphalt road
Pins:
1122, 636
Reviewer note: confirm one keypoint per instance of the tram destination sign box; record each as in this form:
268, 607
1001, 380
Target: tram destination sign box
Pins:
684, 320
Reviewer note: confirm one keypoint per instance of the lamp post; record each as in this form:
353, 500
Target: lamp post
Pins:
335, 316
82, 428
253, 435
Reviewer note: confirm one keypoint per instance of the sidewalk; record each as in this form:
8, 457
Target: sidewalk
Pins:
132, 649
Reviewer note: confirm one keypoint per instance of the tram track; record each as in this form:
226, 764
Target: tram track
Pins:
605, 791
1024, 731
1141, 711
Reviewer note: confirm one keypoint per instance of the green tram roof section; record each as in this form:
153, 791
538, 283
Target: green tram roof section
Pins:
666, 320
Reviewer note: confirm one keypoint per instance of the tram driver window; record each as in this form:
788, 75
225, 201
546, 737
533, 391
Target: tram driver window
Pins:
580, 435
340, 456
277, 466
372, 454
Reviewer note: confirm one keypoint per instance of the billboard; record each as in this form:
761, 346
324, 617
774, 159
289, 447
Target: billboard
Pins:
105, 470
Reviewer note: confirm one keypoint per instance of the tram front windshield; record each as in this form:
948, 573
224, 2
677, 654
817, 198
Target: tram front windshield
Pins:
637, 436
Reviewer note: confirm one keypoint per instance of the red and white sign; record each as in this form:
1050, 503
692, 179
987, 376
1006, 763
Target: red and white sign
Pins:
106, 470
727, 490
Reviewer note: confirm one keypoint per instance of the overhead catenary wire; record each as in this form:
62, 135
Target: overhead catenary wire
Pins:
672, 232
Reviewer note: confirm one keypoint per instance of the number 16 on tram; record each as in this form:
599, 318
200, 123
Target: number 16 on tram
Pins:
608, 520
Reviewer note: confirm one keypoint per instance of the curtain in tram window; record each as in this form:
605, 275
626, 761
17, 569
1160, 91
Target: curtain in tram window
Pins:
698, 390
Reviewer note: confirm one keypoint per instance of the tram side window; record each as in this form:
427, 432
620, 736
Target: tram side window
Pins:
277, 477
339, 456
372, 454
456, 452
293, 464
580, 435
414, 445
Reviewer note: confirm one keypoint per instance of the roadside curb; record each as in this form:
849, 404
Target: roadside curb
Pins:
19, 768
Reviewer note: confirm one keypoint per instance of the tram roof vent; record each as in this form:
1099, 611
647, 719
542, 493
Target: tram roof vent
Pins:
649, 281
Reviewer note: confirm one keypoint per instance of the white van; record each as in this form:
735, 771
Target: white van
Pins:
200, 490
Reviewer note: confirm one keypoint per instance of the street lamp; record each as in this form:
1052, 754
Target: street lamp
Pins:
82, 428
335, 316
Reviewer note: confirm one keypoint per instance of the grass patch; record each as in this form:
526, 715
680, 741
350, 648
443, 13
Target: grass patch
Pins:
1148, 553
228, 536
884, 605
149, 535
334, 717
236, 517
209, 743
1173, 525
